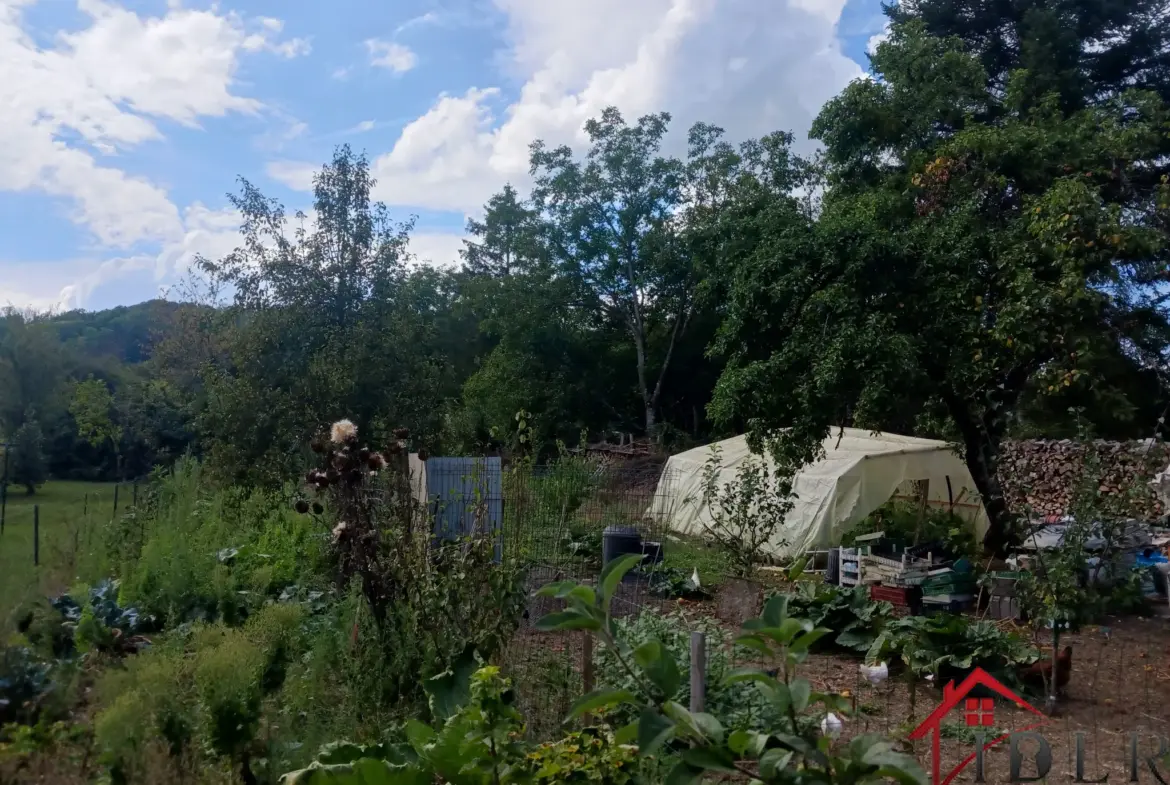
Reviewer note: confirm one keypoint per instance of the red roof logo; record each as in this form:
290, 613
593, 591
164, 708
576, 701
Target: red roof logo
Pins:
977, 712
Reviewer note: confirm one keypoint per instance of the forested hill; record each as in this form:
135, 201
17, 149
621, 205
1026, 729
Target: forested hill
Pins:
125, 333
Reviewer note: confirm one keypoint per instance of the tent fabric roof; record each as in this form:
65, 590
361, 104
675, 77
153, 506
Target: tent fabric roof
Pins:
860, 471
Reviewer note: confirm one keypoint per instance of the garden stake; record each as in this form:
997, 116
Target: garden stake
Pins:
698, 671
36, 535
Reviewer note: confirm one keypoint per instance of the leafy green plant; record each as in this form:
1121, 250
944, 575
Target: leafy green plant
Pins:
738, 705
906, 524
672, 583
855, 619
477, 736
949, 646
25, 683
743, 516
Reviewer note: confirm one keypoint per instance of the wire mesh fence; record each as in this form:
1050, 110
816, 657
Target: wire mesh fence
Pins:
553, 521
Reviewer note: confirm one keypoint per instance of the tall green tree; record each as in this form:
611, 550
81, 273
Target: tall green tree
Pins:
93, 410
638, 232
975, 236
27, 464
325, 326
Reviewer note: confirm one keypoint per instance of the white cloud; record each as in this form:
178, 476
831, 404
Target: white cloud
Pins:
105, 86
262, 41
294, 174
436, 249
364, 126
422, 20
878, 38
391, 55
752, 67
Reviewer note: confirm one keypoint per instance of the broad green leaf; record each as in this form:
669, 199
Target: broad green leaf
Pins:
786, 631
419, 735
364, 771
612, 574
559, 589
338, 752
740, 675
567, 620
603, 698
710, 759
710, 727
774, 760
753, 642
568, 590
653, 730
801, 691
683, 774
748, 743
797, 569
804, 642
775, 610
450, 691
658, 664
796, 744
627, 734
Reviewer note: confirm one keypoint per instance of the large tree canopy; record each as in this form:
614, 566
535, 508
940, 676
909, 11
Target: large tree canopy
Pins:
976, 234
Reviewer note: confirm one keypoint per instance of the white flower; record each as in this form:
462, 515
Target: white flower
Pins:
695, 577
875, 674
831, 725
342, 431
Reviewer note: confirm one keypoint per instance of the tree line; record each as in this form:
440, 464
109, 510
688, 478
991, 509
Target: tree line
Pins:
978, 250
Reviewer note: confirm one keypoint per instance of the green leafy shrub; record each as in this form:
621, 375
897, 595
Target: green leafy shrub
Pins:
949, 646
855, 619
906, 524
26, 684
744, 515
738, 705
477, 735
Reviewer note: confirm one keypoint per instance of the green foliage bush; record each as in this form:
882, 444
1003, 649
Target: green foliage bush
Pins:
855, 619
476, 737
738, 705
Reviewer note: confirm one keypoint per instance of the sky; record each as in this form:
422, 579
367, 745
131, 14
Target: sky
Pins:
124, 124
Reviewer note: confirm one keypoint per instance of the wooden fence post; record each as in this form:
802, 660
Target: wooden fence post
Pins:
136, 493
36, 535
85, 509
587, 676
115, 502
698, 671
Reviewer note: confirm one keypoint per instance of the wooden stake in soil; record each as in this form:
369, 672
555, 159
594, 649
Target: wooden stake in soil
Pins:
698, 671
36, 535
587, 661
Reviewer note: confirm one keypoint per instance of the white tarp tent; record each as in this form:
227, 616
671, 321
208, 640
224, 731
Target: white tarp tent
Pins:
861, 470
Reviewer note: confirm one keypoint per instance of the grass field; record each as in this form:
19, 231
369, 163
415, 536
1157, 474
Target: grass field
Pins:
70, 515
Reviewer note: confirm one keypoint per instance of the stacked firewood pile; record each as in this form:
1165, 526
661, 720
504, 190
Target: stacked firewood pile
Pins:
1044, 476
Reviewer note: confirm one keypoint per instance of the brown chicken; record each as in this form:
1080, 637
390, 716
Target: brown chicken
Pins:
1039, 673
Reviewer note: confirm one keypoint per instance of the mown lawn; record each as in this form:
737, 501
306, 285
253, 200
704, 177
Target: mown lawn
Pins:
70, 517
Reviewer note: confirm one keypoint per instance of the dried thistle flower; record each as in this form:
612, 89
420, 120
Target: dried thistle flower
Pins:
318, 446
343, 431
401, 433
364, 453
301, 506
318, 508
376, 461
332, 475
423, 454
393, 448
